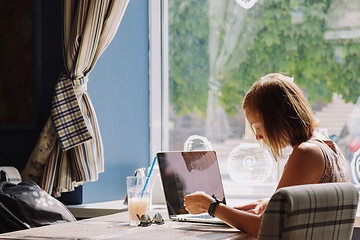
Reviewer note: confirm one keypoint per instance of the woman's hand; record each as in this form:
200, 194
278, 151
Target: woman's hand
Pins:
197, 202
258, 207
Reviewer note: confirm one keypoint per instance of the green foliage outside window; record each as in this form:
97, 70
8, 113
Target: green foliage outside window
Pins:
188, 55
289, 37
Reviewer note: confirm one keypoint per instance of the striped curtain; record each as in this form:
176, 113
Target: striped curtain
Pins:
69, 150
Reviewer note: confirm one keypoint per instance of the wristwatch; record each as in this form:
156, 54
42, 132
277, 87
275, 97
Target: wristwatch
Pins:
213, 206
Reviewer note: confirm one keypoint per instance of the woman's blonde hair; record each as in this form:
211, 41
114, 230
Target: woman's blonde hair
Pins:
285, 112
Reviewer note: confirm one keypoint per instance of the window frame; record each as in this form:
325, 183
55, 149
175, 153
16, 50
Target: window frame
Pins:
155, 76
158, 76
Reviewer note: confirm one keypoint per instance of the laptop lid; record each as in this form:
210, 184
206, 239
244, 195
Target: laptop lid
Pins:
186, 172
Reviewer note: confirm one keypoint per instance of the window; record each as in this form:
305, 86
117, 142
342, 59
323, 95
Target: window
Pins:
119, 90
212, 51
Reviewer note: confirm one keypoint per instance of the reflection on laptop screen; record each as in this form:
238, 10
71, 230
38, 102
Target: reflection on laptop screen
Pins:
186, 172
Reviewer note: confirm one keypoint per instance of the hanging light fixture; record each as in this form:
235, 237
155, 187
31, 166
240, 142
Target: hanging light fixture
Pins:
247, 4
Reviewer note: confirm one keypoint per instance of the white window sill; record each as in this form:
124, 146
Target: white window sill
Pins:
97, 209
91, 210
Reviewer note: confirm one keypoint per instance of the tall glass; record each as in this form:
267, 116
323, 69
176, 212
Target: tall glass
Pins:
138, 198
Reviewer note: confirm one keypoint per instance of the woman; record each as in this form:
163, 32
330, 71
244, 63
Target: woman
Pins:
280, 115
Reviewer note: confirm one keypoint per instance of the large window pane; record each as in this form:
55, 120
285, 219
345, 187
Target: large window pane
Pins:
217, 49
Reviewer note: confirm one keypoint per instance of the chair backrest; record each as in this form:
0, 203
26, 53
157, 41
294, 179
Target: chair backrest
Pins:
313, 211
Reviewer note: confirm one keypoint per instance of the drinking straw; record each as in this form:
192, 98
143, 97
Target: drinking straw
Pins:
147, 180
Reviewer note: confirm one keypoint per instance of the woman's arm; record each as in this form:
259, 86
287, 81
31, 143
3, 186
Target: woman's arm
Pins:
199, 202
257, 207
245, 221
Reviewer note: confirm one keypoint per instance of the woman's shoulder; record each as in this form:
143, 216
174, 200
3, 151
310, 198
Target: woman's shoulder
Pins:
305, 165
307, 148
309, 154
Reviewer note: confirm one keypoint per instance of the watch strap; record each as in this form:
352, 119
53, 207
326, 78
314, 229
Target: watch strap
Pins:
213, 206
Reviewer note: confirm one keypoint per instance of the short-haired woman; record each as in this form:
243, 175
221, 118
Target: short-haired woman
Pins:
280, 116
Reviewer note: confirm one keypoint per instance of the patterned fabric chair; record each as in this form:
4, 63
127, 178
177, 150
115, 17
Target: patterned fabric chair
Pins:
313, 211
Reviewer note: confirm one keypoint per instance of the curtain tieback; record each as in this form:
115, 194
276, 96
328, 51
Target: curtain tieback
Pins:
80, 86
66, 113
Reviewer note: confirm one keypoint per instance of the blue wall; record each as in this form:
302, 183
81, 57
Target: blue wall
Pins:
119, 89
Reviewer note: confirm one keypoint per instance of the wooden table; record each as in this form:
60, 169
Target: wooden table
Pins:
115, 226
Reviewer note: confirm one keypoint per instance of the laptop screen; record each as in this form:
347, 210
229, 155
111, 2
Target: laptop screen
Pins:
186, 172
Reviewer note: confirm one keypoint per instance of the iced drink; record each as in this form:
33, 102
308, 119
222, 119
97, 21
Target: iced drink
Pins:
137, 206
138, 198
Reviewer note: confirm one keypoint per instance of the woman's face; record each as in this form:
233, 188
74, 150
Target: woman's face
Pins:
256, 124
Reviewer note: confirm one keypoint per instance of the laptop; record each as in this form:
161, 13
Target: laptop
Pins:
186, 172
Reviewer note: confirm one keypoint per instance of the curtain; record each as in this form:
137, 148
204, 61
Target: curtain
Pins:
229, 36
69, 150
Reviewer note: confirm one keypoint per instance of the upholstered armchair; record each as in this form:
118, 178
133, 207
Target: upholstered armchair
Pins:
314, 211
